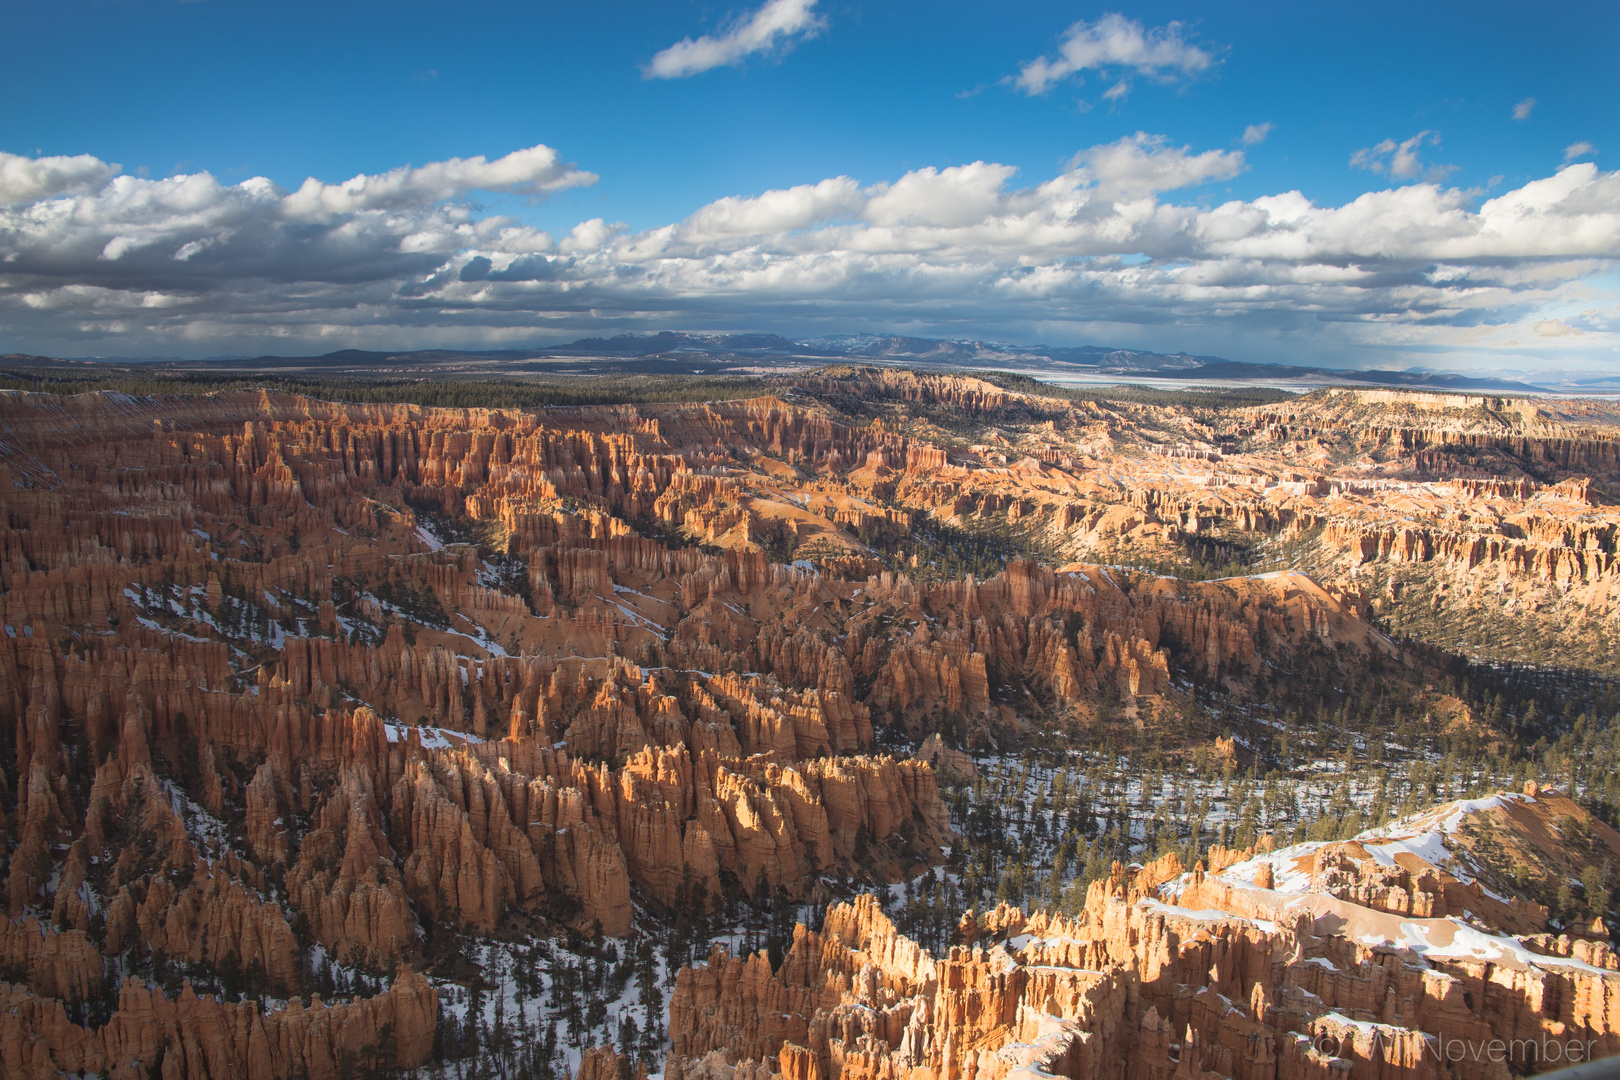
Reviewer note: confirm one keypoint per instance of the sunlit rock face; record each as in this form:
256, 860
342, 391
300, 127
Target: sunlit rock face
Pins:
1381, 956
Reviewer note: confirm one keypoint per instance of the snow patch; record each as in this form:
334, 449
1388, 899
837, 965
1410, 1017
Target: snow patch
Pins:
433, 543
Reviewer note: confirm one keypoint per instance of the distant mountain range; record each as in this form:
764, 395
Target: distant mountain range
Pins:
1057, 360
672, 352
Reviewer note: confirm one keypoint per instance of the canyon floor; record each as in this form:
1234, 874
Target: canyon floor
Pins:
869, 724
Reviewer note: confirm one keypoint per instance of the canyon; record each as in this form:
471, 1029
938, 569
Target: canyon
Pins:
303, 703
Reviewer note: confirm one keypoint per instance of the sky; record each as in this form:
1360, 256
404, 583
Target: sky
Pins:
1372, 185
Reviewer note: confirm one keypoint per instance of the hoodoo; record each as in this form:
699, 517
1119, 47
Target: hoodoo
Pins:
768, 736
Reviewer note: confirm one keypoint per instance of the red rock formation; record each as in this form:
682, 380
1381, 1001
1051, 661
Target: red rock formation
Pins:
256, 704
345, 883
602, 1063
58, 964
1165, 974
201, 1037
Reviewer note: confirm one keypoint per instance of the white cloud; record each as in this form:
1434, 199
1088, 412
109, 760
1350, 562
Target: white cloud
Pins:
776, 25
1579, 150
1555, 328
1114, 42
1141, 165
1255, 134
24, 179
1400, 160
187, 262
1521, 111
536, 171
590, 235
777, 211
953, 198
192, 247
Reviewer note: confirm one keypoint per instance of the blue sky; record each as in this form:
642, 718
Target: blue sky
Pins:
869, 92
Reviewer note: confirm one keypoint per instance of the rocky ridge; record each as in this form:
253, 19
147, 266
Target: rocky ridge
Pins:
1360, 958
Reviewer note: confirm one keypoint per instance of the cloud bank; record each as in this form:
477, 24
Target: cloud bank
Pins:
24, 179
777, 25
95, 262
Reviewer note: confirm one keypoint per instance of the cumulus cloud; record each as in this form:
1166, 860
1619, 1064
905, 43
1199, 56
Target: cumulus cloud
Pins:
779, 24
537, 171
1115, 42
190, 262
1579, 150
590, 235
777, 211
1555, 328
1141, 165
1400, 159
24, 179
952, 198
1255, 134
1521, 111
